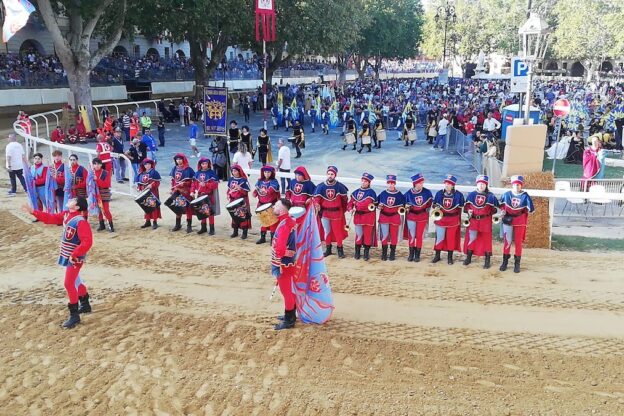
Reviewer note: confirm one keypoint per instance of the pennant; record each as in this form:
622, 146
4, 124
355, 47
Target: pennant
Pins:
266, 18
29, 178
50, 192
67, 189
315, 303
93, 194
16, 14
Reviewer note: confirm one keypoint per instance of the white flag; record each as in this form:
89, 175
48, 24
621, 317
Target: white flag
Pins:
16, 13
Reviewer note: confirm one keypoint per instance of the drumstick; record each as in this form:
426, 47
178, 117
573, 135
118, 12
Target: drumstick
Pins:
273, 292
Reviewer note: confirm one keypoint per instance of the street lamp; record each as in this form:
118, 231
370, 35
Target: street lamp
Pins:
534, 36
447, 13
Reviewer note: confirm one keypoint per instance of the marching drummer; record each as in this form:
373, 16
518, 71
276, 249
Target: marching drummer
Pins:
148, 177
409, 130
448, 233
351, 133
206, 182
301, 190
376, 135
268, 192
364, 218
182, 176
365, 138
238, 188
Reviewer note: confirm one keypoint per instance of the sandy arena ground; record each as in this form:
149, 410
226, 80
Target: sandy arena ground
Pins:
182, 325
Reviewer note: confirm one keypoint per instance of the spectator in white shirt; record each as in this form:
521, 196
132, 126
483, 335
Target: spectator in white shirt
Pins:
283, 164
243, 158
490, 125
14, 163
442, 129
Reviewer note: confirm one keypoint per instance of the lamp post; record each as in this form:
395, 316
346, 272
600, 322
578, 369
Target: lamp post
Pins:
534, 36
447, 14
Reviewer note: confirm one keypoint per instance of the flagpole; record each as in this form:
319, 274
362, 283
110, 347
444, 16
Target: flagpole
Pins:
264, 81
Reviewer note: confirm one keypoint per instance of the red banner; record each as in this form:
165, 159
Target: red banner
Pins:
265, 17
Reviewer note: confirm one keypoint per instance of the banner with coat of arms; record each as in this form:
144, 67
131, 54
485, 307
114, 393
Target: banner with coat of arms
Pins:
215, 106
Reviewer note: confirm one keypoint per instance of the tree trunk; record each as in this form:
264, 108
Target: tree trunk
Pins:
198, 60
80, 87
360, 66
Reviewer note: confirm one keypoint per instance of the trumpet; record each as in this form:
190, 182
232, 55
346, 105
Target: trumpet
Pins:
371, 207
402, 210
466, 220
348, 226
436, 213
498, 217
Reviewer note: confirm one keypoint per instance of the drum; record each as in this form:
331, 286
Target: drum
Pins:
238, 211
266, 216
147, 200
411, 135
350, 138
366, 140
177, 203
296, 212
201, 206
381, 135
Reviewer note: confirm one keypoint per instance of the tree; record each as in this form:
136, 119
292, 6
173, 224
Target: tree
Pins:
589, 31
395, 32
73, 43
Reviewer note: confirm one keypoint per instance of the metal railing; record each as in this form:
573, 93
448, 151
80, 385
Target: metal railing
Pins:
458, 142
589, 204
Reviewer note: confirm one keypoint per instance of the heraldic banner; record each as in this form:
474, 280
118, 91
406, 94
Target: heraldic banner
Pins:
215, 106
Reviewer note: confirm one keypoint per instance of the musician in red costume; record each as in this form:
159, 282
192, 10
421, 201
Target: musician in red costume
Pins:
58, 173
104, 149
330, 200
238, 187
149, 177
301, 190
481, 205
57, 135
362, 203
517, 205
206, 183
267, 191
182, 176
418, 200
283, 251
448, 232
78, 177
390, 203
103, 182
76, 241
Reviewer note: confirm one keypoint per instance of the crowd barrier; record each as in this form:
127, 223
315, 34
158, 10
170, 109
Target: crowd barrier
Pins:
600, 197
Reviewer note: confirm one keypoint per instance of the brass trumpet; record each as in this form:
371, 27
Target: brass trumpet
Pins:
436, 213
498, 217
402, 210
371, 207
466, 218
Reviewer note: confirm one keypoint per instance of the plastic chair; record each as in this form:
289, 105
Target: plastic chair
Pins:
597, 189
566, 187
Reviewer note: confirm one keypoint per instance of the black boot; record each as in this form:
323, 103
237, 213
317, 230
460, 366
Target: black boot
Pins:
74, 317
178, 225
328, 250
503, 265
517, 264
344, 147
468, 258
290, 317
449, 258
234, 232
406, 143
203, 229
272, 238
147, 224
111, 227
412, 251
486, 264
384, 253
358, 251
189, 226
155, 225
392, 255
366, 253
369, 148
360, 151
211, 232
340, 252
244, 236
102, 227
85, 306
353, 147
416, 254
436, 258
262, 238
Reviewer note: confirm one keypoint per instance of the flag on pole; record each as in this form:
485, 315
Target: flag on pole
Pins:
265, 17
315, 302
93, 194
16, 14
30, 185
50, 192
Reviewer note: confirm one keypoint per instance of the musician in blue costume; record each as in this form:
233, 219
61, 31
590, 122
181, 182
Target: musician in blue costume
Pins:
207, 183
364, 218
448, 228
418, 200
182, 176
267, 191
238, 187
330, 199
480, 205
301, 190
148, 177
390, 203
517, 205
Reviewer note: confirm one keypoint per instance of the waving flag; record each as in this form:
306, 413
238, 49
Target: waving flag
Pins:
311, 287
280, 108
16, 14
93, 194
30, 186
67, 189
333, 115
50, 192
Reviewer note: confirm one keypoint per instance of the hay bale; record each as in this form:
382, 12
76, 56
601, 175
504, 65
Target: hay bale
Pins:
538, 228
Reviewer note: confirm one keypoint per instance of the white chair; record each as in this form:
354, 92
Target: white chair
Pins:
566, 187
598, 189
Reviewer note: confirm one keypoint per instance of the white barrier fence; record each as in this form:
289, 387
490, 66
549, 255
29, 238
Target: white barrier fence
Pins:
598, 197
